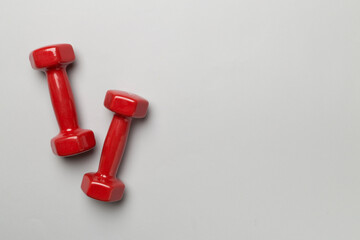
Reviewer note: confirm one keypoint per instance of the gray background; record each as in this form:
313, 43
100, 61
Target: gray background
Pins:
253, 130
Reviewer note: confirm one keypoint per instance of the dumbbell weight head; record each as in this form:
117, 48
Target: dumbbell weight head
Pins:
52, 56
126, 104
73, 142
102, 187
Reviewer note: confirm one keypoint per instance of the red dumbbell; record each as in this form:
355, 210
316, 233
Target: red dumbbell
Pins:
103, 185
53, 60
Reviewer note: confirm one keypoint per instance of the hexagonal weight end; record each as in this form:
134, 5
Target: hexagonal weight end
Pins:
102, 188
73, 142
52, 56
126, 104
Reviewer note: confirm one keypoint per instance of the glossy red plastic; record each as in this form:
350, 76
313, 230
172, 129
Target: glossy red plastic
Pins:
53, 60
103, 185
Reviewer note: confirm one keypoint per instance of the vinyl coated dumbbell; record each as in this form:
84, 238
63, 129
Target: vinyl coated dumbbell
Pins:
103, 185
53, 60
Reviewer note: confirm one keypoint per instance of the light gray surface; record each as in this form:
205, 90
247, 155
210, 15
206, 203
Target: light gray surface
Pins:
253, 130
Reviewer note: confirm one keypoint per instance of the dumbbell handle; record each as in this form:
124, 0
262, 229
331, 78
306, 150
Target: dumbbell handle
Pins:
62, 98
114, 145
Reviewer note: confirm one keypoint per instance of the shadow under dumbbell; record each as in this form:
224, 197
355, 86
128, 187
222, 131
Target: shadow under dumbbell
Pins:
108, 205
71, 67
82, 157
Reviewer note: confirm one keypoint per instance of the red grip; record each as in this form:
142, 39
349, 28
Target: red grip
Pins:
62, 99
114, 145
